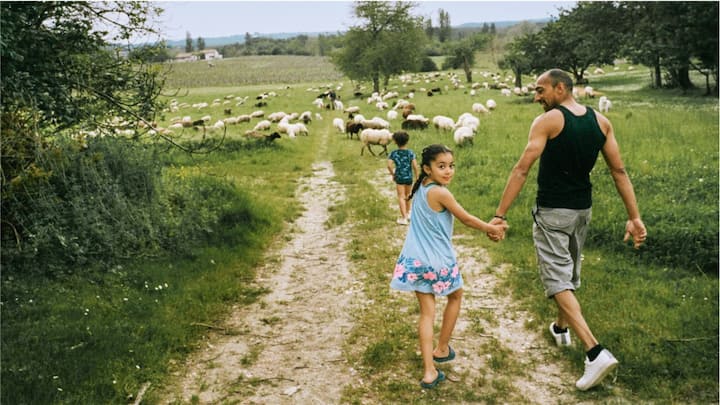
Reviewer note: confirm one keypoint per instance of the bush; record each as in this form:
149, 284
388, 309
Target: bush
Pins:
428, 65
104, 200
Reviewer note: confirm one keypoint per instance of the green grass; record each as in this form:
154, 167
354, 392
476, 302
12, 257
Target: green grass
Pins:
78, 340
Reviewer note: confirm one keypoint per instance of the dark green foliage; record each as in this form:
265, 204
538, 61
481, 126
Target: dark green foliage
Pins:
428, 65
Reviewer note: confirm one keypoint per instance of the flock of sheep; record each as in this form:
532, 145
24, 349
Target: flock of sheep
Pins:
386, 107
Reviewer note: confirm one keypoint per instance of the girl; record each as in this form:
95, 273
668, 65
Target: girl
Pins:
403, 168
427, 264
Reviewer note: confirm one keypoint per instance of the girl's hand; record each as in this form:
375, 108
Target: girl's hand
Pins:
497, 231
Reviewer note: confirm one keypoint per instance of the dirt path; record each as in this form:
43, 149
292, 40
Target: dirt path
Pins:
289, 346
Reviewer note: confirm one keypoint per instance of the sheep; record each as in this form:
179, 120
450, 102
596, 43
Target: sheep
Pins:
491, 104
479, 108
443, 122
339, 105
318, 102
276, 116
306, 117
257, 114
506, 92
339, 125
589, 92
604, 104
318, 117
352, 109
261, 136
352, 127
408, 109
243, 118
263, 125
463, 136
380, 137
415, 121
375, 123
468, 120
392, 115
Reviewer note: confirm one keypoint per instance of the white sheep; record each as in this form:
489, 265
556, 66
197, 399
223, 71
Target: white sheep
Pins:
380, 137
352, 109
392, 115
468, 120
463, 136
589, 92
479, 108
506, 92
257, 114
339, 124
375, 123
443, 122
263, 125
604, 104
491, 104
318, 102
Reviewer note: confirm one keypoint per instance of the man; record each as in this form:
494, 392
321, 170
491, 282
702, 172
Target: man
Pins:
567, 139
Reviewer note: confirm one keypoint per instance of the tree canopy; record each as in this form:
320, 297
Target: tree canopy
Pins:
387, 42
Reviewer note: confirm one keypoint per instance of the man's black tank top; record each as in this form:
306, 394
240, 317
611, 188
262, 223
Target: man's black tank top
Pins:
566, 162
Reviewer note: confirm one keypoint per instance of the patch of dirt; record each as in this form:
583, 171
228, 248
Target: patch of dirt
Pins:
289, 345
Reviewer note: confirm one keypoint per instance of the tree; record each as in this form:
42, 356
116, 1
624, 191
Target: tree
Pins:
61, 63
389, 41
445, 29
521, 56
200, 43
673, 37
188, 42
429, 29
462, 53
589, 34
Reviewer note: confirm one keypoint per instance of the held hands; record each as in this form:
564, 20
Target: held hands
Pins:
497, 229
635, 229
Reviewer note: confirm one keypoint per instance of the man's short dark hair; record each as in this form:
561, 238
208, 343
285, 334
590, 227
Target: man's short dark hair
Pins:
560, 76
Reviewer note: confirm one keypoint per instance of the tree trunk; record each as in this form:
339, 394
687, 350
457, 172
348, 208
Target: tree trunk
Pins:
468, 71
518, 78
684, 78
658, 75
376, 82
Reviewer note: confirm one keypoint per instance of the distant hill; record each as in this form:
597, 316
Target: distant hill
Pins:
232, 39
240, 38
500, 24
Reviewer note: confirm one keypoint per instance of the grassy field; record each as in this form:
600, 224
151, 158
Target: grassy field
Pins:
99, 341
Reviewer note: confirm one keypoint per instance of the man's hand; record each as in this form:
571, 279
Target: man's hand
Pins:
635, 229
498, 233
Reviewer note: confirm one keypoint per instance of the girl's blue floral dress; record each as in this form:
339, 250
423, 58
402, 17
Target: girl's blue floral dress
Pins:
428, 262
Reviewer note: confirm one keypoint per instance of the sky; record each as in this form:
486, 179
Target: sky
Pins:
209, 19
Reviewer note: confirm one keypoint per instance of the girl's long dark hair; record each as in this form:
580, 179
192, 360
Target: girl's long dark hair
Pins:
428, 155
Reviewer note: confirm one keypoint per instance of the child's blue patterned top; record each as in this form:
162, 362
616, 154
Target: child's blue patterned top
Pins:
403, 165
428, 262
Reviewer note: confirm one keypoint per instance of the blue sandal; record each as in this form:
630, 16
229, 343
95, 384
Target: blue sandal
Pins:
431, 385
447, 358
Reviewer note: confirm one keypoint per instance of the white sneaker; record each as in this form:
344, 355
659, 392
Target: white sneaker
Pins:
561, 339
596, 370
402, 221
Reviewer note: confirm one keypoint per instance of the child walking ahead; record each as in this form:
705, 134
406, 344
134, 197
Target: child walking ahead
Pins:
427, 264
403, 166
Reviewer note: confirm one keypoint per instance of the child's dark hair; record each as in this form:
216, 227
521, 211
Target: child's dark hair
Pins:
428, 155
401, 138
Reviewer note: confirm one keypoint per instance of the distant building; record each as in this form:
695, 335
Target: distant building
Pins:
185, 57
209, 54
205, 54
